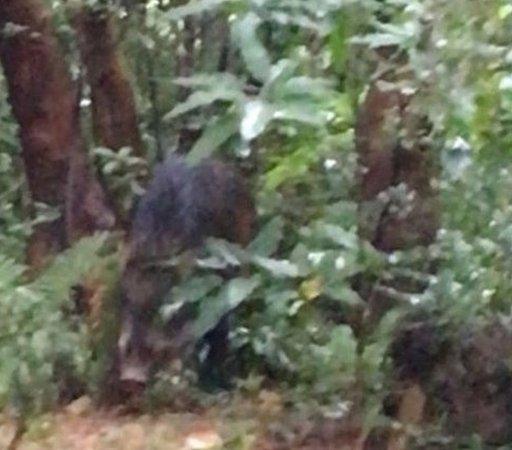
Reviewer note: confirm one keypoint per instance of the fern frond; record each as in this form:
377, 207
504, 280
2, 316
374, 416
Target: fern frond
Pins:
10, 272
70, 267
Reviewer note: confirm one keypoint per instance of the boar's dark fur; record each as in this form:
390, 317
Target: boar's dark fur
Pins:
182, 207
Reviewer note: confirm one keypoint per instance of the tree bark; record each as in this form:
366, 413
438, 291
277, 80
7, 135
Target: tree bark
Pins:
114, 116
44, 103
394, 150
395, 153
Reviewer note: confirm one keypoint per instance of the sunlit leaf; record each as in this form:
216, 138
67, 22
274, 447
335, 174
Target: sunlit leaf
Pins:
256, 116
312, 288
207, 80
278, 268
194, 7
291, 167
457, 158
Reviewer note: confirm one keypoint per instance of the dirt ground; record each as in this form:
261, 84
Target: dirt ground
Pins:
242, 424
107, 431
82, 426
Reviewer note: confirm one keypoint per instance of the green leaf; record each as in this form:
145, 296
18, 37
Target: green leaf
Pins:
457, 158
239, 289
505, 11
194, 7
202, 98
256, 116
343, 293
338, 41
10, 273
372, 358
268, 239
194, 289
10, 141
280, 268
300, 257
291, 167
70, 267
190, 291
104, 152
300, 111
277, 302
215, 134
213, 263
213, 309
311, 88
340, 236
388, 324
231, 253
45, 213
280, 72
343, 346
254, 54
110, 167
207, 80
5, 162
376, 40
343, 213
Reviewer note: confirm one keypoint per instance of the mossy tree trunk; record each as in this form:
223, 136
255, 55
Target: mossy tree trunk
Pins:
114, 116
399, 205
44, 103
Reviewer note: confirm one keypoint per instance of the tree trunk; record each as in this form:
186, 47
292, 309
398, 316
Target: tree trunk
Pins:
44, 104
399, 207
114, 116
391, 140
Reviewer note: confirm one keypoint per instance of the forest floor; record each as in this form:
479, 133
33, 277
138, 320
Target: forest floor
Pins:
81, 426
238, 425
111, 430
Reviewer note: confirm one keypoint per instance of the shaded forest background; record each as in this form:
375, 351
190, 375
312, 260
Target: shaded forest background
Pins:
376, 139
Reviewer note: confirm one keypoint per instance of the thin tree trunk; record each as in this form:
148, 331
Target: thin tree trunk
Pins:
44, 104
187, 134
156, 121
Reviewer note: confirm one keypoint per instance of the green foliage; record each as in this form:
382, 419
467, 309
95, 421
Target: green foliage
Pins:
284, 96
287, 92
277, 83
281, 320
40, 345
14, 227
123, 172
299, 70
